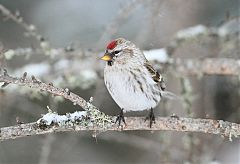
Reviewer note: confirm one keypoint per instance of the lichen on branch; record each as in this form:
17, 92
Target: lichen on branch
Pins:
93, 119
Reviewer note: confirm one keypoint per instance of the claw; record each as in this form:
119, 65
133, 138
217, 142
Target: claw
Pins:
151, 117
120, 118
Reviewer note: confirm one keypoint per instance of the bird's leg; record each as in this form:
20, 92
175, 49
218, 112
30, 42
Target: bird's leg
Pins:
151, 117
120, 118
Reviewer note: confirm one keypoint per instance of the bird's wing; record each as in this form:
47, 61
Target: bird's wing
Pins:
156, 76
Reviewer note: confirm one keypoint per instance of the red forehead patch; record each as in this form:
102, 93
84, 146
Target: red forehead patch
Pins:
112, 45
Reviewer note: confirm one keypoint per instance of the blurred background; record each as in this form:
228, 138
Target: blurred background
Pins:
61, 43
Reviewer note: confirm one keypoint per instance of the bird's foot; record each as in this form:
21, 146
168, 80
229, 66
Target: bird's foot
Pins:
151, 117
120, 118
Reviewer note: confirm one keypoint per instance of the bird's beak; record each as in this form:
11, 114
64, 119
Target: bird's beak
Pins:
106, 57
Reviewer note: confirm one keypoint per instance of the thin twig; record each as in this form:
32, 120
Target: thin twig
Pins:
122, 15
34, 83
31, 29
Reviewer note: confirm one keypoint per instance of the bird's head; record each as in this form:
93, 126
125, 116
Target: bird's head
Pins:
122, 51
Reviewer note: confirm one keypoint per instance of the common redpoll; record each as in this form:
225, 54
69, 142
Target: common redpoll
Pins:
130, 79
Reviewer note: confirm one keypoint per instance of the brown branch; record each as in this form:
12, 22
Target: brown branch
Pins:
209, 126
100, 119
34, 83
96, 120
183, 66
210, 66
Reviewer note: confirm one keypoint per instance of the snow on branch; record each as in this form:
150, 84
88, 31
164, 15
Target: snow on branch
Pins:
100, 119
93, 119
208, 126
186, 66
218, 66
189, 66
191, 32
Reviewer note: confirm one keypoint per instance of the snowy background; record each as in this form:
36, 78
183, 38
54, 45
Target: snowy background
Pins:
87, 26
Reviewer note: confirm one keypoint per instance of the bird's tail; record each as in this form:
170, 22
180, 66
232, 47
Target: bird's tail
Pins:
169, 95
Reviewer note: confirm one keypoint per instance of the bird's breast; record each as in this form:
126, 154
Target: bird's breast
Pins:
131, 89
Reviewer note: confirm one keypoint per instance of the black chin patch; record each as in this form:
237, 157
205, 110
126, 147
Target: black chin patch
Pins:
110, 63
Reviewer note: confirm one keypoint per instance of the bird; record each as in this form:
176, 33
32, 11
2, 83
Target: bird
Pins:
131, 80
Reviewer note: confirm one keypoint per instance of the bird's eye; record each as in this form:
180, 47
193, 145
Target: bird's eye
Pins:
116, 52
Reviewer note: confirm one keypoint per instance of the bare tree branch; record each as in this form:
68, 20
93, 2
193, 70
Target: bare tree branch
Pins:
210, 66
184, 66
34, 83
31, 29
100, 119
96, 120
209, 126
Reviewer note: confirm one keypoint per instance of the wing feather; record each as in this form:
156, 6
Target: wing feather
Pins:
156, 76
